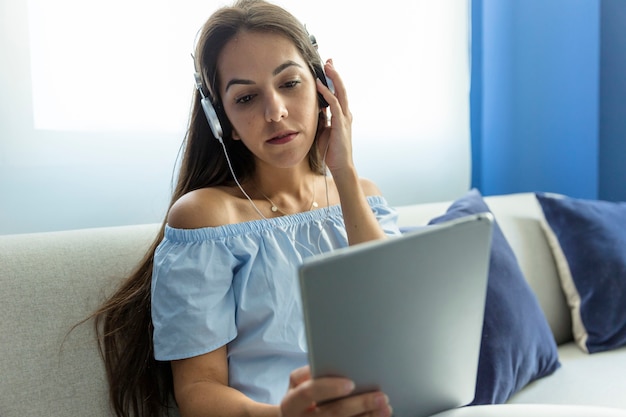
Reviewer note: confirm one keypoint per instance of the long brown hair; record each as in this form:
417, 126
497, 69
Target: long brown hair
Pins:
138, 384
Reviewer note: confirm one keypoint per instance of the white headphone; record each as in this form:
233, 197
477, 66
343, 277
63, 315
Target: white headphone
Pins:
209, 110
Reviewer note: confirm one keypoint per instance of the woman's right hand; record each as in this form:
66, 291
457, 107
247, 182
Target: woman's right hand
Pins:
330, 397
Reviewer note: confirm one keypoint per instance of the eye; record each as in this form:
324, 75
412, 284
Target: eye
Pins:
244, 99
291, 84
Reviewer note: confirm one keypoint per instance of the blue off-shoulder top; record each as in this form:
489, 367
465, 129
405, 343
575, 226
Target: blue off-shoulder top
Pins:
237, 285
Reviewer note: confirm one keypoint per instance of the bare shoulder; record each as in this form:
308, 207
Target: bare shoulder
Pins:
205, 207
369, 187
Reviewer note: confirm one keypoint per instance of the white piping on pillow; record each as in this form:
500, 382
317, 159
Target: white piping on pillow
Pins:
567, 283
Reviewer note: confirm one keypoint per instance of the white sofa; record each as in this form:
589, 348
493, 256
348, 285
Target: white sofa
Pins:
50, 281
597, 379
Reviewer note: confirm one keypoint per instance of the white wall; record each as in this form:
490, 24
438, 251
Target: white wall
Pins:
70, 157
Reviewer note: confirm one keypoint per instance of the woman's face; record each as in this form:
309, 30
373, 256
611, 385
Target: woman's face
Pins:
269, 96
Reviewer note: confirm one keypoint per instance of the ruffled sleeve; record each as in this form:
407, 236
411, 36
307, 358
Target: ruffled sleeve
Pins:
193, 305
386, 215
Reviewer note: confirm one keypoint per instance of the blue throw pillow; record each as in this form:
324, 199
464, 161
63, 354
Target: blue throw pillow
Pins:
588, 240
517, 343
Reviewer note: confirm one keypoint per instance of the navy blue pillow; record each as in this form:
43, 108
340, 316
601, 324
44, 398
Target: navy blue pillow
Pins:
588, 239
517, 344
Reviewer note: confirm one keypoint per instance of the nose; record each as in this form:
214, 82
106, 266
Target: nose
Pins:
275, 108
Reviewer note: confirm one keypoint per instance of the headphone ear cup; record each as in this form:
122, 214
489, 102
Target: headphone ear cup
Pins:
211, 117
319, 73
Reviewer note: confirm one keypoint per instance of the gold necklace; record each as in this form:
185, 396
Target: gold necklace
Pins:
275, 208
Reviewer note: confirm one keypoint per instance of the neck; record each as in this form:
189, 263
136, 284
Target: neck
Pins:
287, 193
294, 182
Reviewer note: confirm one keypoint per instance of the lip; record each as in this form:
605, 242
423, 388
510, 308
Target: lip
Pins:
282, 137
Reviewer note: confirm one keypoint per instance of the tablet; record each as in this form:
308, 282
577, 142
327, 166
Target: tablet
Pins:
403, 315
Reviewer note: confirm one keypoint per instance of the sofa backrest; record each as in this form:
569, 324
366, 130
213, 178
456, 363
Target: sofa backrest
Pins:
51, 281
519, 216
48, 283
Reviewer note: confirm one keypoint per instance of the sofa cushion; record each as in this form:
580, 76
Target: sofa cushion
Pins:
588, 240
517, 344
519, 218
596, 379
51, 282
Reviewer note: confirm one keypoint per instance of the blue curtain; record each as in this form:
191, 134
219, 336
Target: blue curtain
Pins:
547, 97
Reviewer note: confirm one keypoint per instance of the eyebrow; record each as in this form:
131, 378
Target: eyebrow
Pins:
276, 71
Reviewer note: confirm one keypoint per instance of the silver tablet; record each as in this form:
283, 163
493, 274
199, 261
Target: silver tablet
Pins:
403, 315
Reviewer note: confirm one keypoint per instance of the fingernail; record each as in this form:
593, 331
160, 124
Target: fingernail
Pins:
382, 400
349, 386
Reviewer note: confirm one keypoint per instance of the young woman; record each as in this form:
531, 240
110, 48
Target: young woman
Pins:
212, 316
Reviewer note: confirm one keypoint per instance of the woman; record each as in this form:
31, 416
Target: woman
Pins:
213, 314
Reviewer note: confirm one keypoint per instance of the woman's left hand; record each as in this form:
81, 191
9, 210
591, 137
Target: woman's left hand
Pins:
305, 395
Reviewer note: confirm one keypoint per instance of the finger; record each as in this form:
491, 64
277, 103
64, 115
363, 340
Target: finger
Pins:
336, 108
340, 88
369, 404
326, 389
311, 392
330, 98
299, 375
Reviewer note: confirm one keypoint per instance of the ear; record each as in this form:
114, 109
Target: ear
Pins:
235, 135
